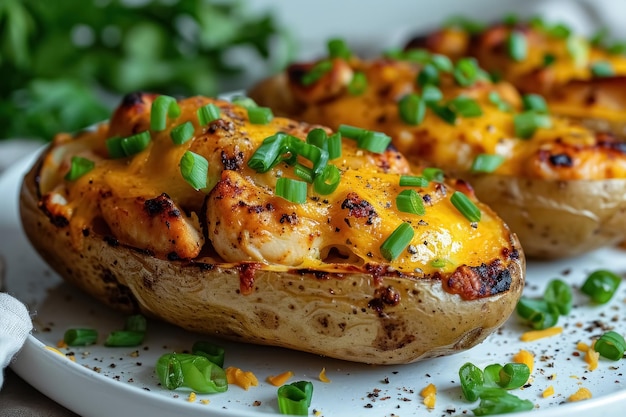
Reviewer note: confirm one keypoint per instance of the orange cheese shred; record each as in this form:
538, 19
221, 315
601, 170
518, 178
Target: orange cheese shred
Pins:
192, 397
524, 356
582, 346
323, 377
243, 379
548, 392
592, 357
279, 380
581, 394
430, 395
540, 334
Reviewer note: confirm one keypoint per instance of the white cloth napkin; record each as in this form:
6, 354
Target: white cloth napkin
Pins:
15, 325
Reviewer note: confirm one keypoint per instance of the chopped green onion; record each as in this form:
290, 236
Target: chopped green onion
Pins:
316, 72
611, 345
413, 181
491, 375
162, 108
303, 172
559, 30
124, 338
548, 60
114, 147
135, 143
194, 168
538, 313
513, 375
358, 83
337, 48
486, 163
465, 206
297, 147
291, 190
260, 115
334, 146
439, 263
328, 180
80, 337
169, 371
429, 74
351, 132
602, 69
397, 241
465, 106
535, 102
418, 55
79, 167
431, 93
295, 398
443, 112
526, 123
472, 381
578, 48
601, 285
244, 101
466, 72
198, 373
182, 133
433, 174
212, 352
412, 109
409, 201
442, 62
268, 153
517, 46
495, 401
559, 294
208, 113
317, 137
136, 322
496, 100
376, 142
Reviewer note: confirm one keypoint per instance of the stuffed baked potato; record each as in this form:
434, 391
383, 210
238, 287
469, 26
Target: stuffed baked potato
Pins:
560, 186
583, 78
226, 251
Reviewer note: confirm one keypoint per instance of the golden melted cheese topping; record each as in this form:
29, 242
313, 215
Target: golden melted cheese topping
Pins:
144, 202
564, 151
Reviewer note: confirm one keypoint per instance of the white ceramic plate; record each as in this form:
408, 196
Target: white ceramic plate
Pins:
121, 381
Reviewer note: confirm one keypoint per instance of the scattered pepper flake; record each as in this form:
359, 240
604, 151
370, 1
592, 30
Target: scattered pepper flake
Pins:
192, 397
323, 376
243, 379
281, 379
540, 334
430, 395
525, 357
582, 394
548, 392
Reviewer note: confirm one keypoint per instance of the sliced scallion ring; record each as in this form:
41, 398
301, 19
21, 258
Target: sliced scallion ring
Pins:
334, 146
338, 48
465, 107
162, 108
135, 143
526, 123
465, 206
429, 74
291, 190
413, 181
466, 72
358, 84
328, 180
602, 69
260, 115
79, 166
433, 174
317, 72
486, 163
182, 133
535, 102
611, 345
80, 337
208, 113
517, 46
409, 201
397, 241
194, 168
268, 153
411, 109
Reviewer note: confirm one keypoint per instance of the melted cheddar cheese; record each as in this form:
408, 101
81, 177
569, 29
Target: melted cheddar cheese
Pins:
564, 151
144, 202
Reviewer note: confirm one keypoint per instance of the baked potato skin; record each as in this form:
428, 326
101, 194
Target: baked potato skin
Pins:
561, 191
376, 317
568, 83
354, 307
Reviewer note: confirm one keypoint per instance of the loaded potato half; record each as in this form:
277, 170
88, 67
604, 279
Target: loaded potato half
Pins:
560, 186
222, 219
580, 77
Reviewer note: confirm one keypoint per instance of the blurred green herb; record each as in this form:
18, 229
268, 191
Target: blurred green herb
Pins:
64, 65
